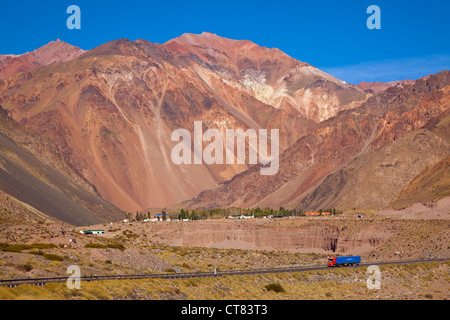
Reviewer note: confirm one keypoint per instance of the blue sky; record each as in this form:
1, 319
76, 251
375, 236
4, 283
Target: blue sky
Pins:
330, 34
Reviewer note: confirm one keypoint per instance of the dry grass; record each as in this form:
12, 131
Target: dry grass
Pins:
420, 281
415, 281
189, 259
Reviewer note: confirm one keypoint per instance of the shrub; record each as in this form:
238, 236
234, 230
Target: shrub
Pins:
19, 247
95, 246
43, 246
116, 246
13, 248
276, 287
52, 257
5, 247
27, 266
48, 256
104, 246
192, 283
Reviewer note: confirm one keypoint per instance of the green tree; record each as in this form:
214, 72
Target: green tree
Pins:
182, 214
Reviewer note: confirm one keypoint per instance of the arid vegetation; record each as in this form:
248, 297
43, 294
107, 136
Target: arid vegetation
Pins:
45, 248
416, 281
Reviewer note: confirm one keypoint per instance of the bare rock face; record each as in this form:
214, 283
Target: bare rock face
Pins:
299, 235
371, 238
432, 184
375, 179
36, 181
112, 110
270, 75
318, 169
261, 235
43, 149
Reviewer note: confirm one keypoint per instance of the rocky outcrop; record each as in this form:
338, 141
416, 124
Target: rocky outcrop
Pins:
296, 235
372, 238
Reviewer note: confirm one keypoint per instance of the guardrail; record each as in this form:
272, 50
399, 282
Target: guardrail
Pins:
188, 275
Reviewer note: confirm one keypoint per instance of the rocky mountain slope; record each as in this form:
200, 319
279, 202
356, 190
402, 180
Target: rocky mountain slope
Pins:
36, 181
376, 178
272, 76
432, 184
112, 110
361, 158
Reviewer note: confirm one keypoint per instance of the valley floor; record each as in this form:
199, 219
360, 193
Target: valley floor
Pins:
47, 248
415, 281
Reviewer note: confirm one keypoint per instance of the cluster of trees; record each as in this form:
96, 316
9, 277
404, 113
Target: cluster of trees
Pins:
283, 212
185, 214
138, 216
217, 213
257, 212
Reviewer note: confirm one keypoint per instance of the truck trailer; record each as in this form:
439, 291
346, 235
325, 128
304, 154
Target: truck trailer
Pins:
344, 261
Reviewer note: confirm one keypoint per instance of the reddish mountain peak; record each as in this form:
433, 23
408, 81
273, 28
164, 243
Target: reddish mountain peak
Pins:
207, 39
121, 47
57, 51
238, 57
209, 46
54, 51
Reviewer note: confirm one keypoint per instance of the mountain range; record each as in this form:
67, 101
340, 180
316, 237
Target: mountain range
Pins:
109, 112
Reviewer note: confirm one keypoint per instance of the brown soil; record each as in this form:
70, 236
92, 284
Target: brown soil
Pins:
373, 237
438, 210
